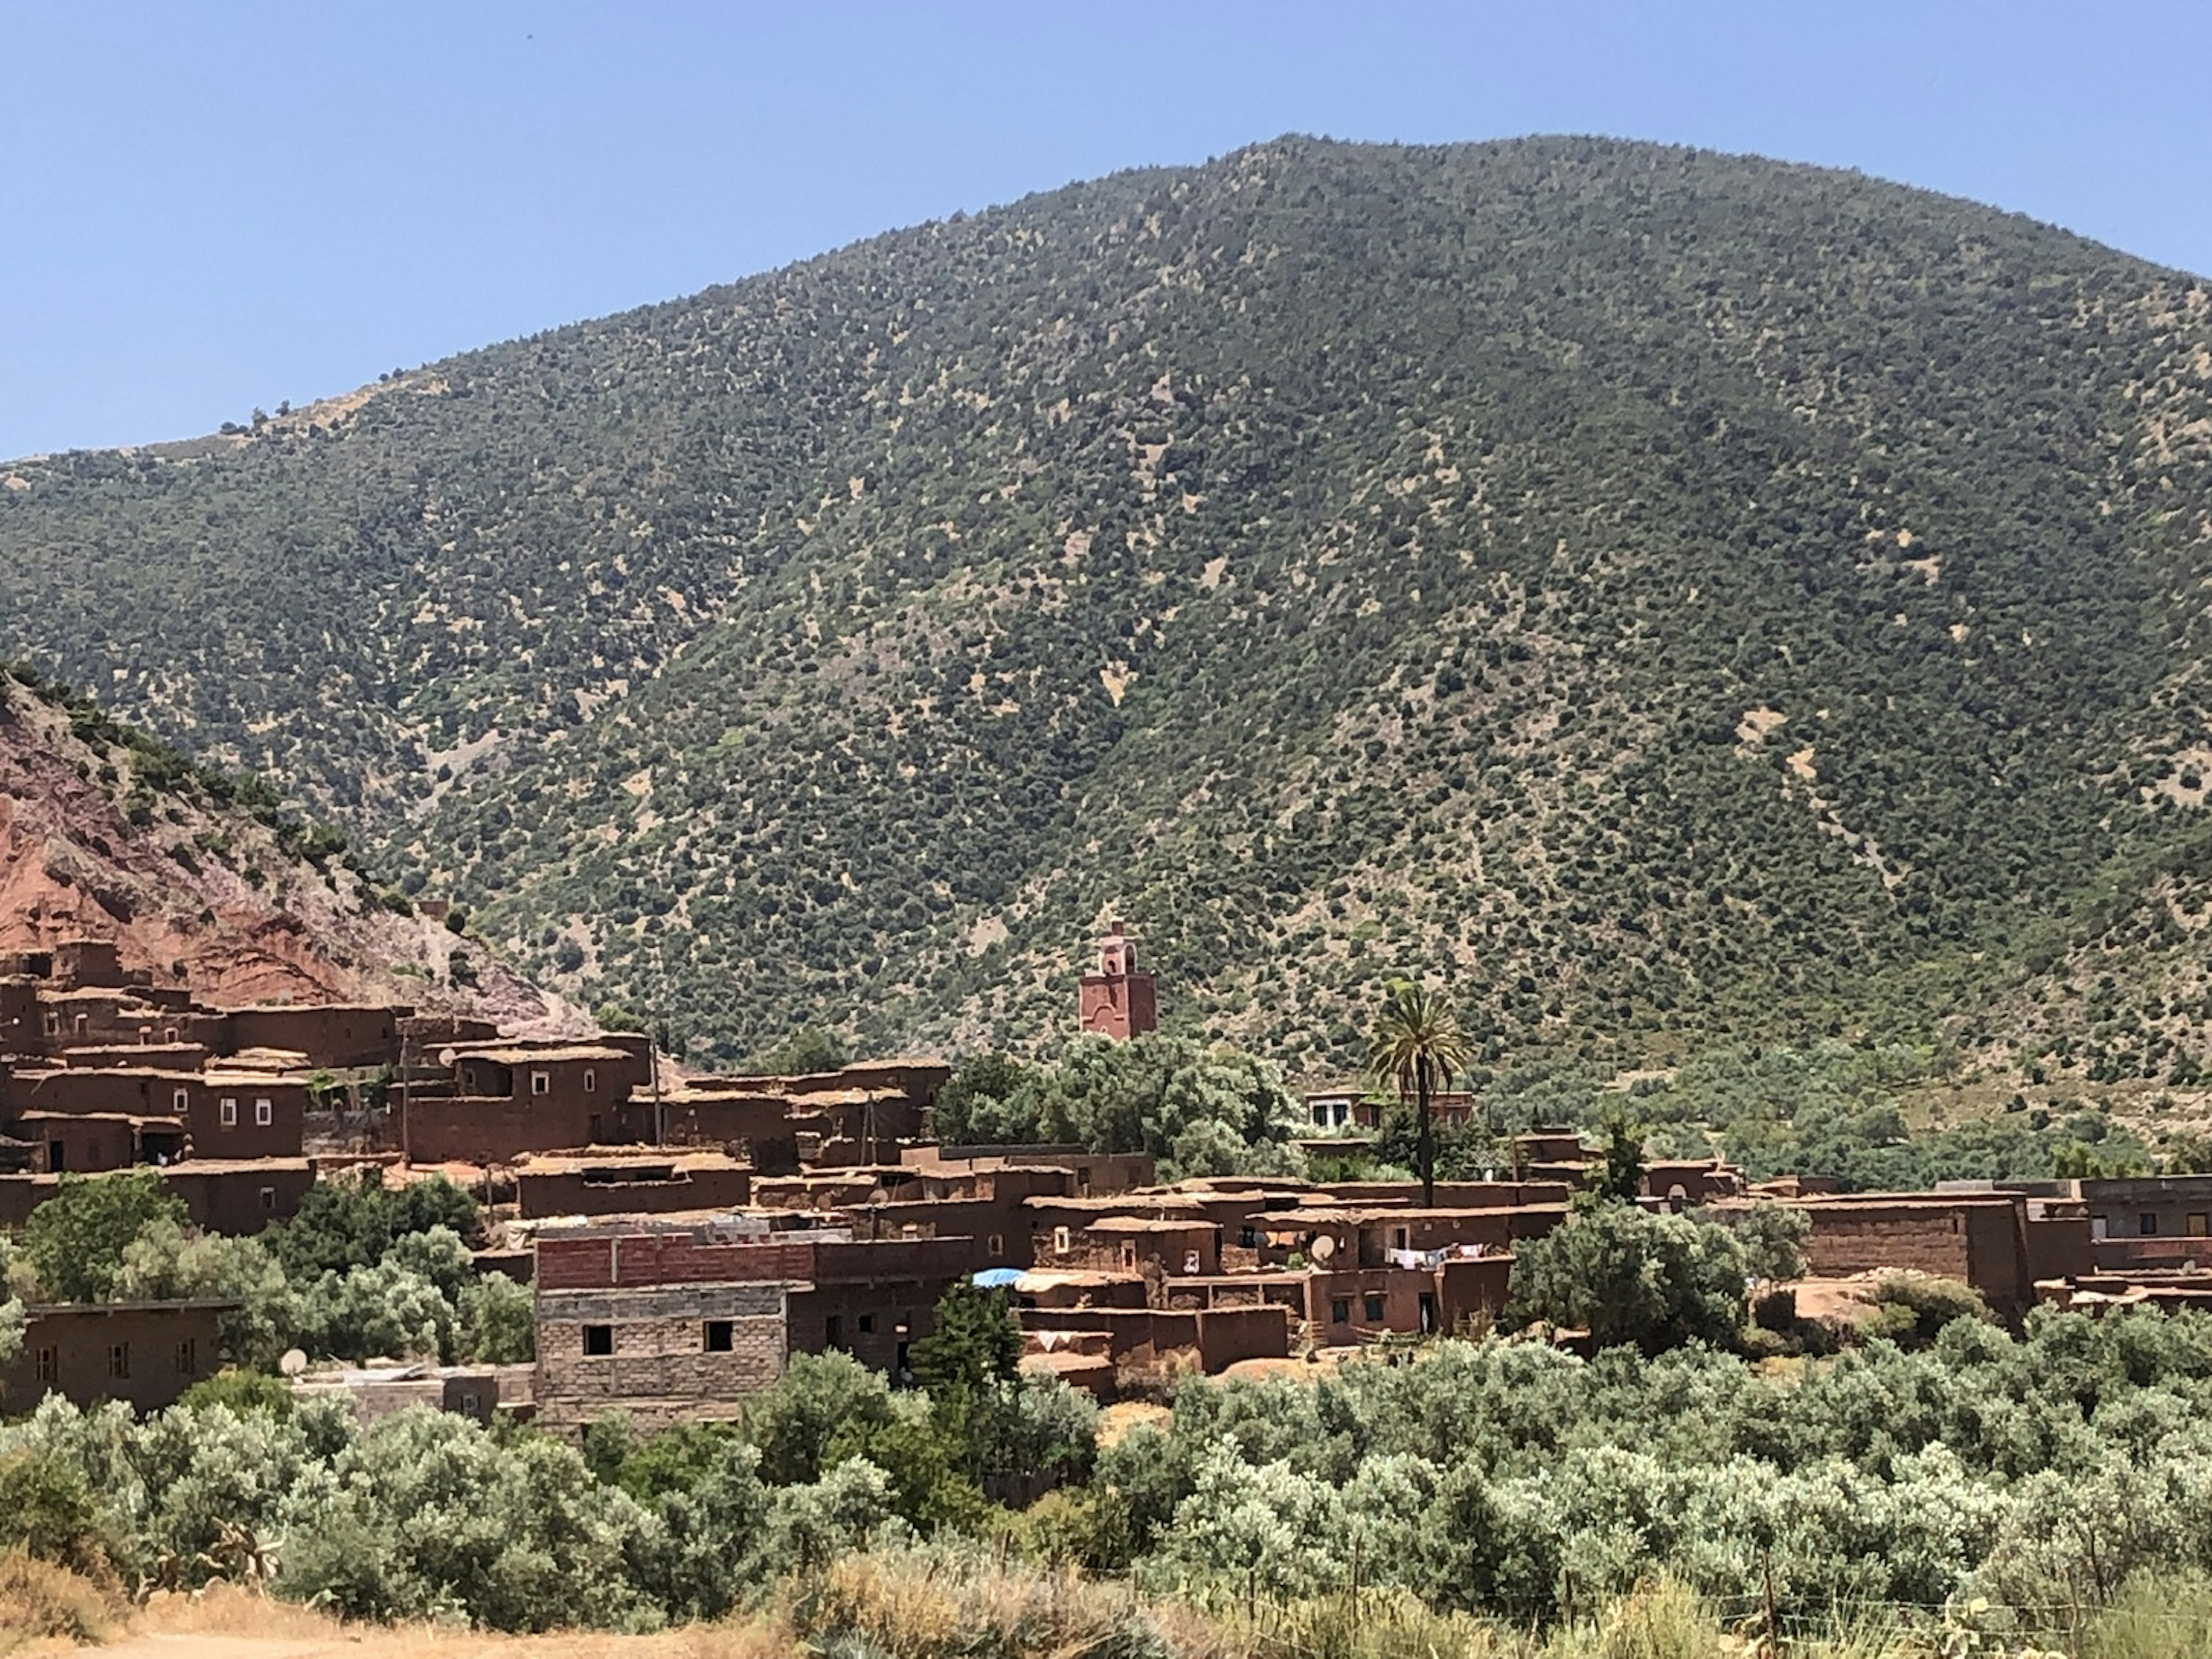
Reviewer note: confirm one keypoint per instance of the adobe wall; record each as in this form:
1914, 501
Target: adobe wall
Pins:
1215, 1338
22, 1031
917, 1080
164, 1351
333, 1037
468, 1129
20, 1194
239, 1100
1996, 1255
78, 1143
1371, 1300
755, 1128
87, 964
1493, 1228
1473, 1289
2173, 1206
573, 1192
138, 1091
1450, 1194
239, 1202
2058, 1247
1856, 1238
874, 1323
1097, 1174
997, 1228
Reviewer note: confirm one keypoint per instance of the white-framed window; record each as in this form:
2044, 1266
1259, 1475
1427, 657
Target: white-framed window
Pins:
541, 1083
181, 1100
268, 1197
265, 1112
226, 1114
590, 1081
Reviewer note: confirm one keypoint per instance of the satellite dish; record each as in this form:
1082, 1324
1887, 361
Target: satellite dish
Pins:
293, 1364
448, 1056
1323, 1247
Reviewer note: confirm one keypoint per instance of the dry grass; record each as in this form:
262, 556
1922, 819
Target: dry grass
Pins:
226, 1622
225, 1610
42, 1602
964, 1604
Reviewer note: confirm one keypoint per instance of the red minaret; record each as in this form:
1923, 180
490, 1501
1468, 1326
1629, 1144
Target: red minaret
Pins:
1117, 999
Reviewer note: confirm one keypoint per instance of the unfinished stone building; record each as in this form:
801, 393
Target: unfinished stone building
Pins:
679, 1320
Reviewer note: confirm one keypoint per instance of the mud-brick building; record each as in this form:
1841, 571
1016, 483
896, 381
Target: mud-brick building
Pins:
147, 1353
679, 1320
497, 1102
2002, 1242
629, 1184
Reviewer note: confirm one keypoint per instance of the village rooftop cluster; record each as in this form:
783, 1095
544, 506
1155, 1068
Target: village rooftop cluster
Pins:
686, 1235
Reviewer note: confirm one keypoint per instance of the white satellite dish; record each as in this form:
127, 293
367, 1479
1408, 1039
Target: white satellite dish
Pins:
293, 1364
1323, 1247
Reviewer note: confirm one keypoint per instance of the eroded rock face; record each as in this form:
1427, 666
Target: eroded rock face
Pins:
201, 893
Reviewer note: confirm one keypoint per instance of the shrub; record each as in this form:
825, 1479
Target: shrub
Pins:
240, 1391
1911, 1309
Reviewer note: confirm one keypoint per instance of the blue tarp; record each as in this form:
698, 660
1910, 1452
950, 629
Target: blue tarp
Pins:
996, 1278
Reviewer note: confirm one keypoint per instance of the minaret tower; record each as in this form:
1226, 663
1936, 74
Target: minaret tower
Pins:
1118, 1001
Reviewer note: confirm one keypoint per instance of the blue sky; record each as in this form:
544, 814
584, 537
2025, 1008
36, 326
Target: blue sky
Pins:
205, 208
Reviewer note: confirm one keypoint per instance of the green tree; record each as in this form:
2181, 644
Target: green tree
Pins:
804, 1053
498, 1322
794, 1422
351, 1220
170, 1262
970, 1364
1626, 1277
1773, 1236
1623, 1178
1417, 1047
970, 1108
75, 1241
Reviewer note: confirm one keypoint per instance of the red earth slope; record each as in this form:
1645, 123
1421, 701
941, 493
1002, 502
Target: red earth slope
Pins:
201, 893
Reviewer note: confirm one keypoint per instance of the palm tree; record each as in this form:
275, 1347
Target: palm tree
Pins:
1418, 1048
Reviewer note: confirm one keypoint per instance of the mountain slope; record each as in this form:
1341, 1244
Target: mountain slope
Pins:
107, 834
1676, 597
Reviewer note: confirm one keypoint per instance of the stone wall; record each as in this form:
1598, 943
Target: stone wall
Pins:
661, 1370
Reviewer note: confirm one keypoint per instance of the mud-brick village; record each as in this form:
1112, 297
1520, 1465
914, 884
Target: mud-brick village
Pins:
686, 1233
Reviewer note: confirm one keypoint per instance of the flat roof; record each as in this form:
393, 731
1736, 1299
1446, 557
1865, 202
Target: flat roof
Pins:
1139, 1224
205, 1304
523, 1054
1122, 1203
239, 1166
1048, 1279
540, 1163
1361, 1216
163, 1072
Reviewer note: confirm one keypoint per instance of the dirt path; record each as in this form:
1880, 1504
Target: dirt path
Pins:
227, 1624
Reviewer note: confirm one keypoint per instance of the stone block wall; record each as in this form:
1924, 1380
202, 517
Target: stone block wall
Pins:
661, 1370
